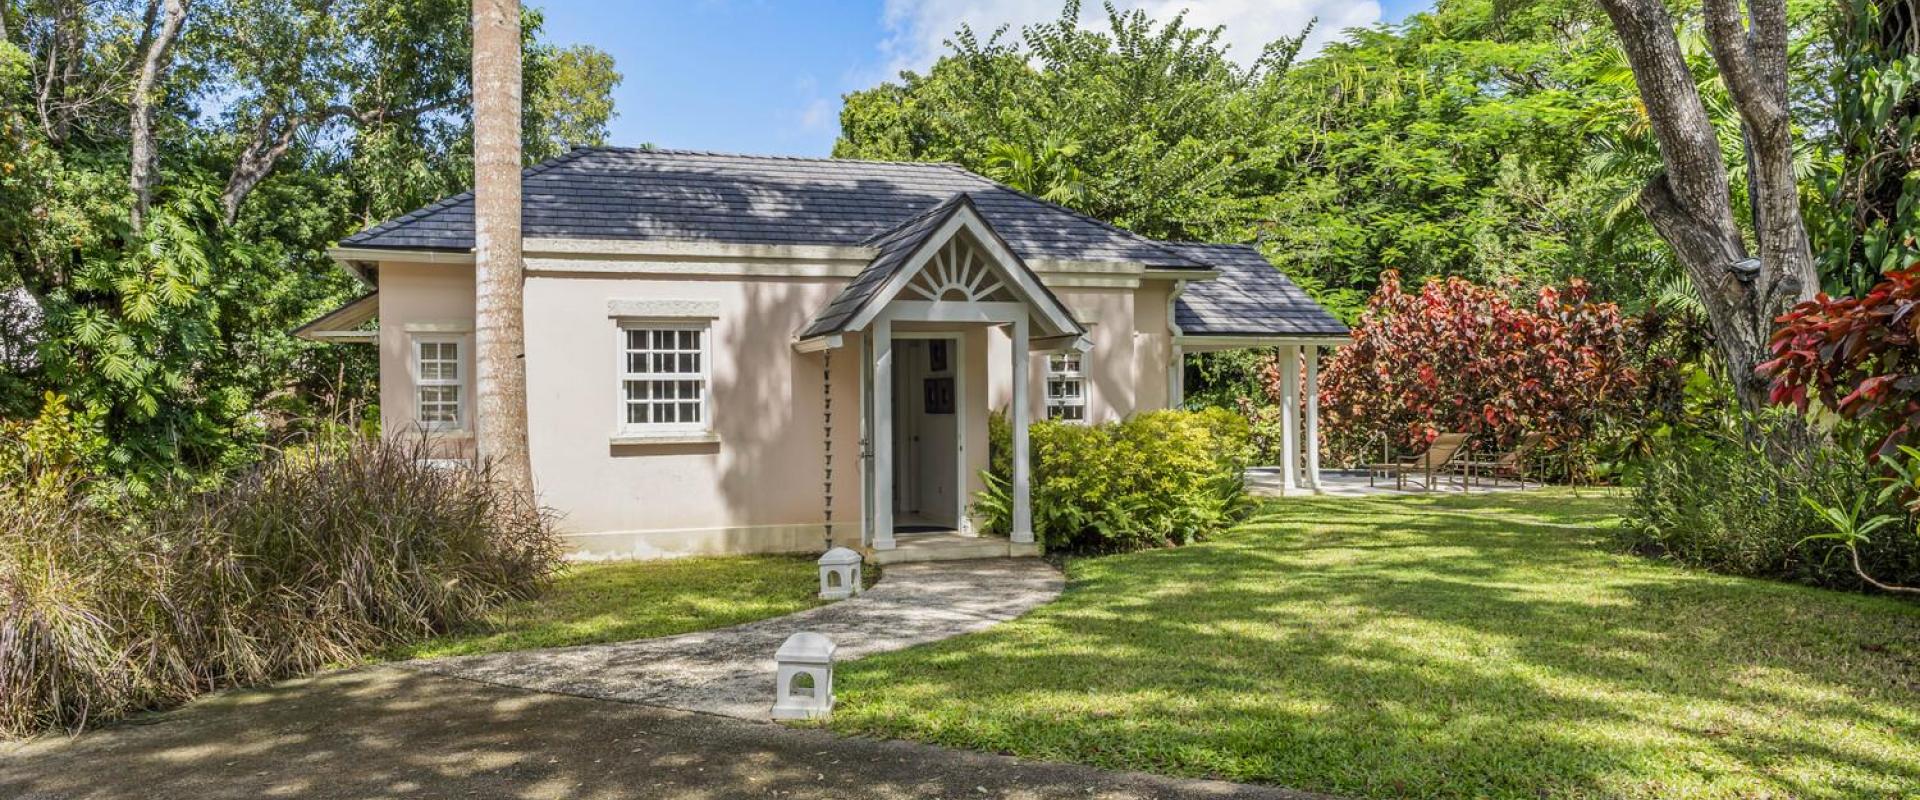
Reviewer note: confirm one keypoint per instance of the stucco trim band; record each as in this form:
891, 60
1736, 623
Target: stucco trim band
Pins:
631, 308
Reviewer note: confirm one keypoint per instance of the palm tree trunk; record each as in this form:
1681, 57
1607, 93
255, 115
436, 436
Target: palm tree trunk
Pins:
499, 324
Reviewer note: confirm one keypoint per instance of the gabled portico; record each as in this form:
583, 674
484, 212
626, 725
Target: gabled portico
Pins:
937, 281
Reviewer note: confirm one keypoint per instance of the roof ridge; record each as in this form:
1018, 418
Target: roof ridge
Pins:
1148, 240
913, 220
678, 151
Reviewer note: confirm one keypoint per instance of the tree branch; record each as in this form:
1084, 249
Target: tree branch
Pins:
265, 148
145, 91
1885, 587
1736, 53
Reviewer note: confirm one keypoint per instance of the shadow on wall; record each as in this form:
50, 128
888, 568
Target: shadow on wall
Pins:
771, 462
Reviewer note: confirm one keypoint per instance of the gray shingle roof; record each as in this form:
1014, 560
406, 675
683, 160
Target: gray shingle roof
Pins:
1250, 298
677, 195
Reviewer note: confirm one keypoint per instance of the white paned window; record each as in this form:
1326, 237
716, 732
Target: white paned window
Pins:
663, 377
440, 383
1066, 387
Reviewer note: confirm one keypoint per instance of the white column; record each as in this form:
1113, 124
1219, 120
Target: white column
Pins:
1312, 432
882, 434
1022, 532
1177, 378
866, 439
1289, 419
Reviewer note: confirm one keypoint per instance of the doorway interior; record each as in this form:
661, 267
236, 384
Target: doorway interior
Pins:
929, 472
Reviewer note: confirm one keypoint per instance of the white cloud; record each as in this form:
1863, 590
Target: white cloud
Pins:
917, 28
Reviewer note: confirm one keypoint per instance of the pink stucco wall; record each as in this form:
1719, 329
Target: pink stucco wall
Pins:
759, 487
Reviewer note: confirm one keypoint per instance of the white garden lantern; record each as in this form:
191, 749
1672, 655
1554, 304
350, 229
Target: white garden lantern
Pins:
839, 574
805, 680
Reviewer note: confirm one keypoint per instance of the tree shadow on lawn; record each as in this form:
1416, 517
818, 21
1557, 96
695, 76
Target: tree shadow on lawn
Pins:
391, 733
1428, 647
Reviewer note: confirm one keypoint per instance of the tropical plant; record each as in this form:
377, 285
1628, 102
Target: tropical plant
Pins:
1156, 479
305, 561
1456, 356
1755, 494
1856, 355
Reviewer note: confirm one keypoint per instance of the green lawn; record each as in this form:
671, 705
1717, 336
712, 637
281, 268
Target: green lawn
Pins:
1489, 645
621, 600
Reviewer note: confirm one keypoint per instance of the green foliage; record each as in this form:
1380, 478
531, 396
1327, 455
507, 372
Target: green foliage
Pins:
1865, 228
302, 563
573, 99
1148, 126
1156, 479
1746, 497
280, 127
1462, 141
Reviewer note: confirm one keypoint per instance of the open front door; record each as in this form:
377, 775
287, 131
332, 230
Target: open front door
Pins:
928, 473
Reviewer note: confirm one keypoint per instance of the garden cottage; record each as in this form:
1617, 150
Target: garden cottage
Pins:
721, 348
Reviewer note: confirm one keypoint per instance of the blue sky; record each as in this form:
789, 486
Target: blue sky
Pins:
760, 76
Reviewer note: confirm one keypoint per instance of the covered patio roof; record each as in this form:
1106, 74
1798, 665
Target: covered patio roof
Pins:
1251, 304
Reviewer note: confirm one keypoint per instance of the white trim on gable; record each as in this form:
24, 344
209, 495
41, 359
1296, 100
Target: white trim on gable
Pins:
1055, 319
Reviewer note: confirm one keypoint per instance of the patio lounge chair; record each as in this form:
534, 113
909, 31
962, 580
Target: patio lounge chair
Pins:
1512, 463
1440, 454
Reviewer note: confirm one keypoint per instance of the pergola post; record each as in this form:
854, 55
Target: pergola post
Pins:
1289, 418
1022, 525
1312, 427
882, 443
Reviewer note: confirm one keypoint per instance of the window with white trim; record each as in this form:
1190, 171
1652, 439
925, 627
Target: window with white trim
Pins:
1066, 387
663, 377
439, 383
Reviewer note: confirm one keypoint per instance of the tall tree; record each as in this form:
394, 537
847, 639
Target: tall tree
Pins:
157, 36
573, 101
499, 282
1689, 203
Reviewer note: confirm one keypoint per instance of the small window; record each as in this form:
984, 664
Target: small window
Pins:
440, 384
1066, 387
663, 377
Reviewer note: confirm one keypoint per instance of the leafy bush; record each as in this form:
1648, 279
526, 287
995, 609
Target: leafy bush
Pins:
1457, 356
309, 560
1151, 480
1856, 356
1742, 500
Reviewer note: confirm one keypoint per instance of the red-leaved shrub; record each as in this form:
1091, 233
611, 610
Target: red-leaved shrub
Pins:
1857, 354
1457, 356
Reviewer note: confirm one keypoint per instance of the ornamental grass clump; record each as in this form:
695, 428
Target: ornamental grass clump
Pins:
310, 560
1156, 479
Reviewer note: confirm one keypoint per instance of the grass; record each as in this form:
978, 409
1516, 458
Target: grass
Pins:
622, 600
1490, 646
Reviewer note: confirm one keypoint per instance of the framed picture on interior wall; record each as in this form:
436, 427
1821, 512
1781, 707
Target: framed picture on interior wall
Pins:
937, 355
939, 395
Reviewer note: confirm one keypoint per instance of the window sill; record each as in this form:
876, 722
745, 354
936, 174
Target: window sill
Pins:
447, 433
666, 437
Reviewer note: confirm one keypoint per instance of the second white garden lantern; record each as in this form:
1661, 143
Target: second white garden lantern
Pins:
804, 684
839, 574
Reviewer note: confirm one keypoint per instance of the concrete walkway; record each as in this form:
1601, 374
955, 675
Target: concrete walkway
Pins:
730, 671
392, 733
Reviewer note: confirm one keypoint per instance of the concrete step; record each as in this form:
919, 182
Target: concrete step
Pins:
918, 547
